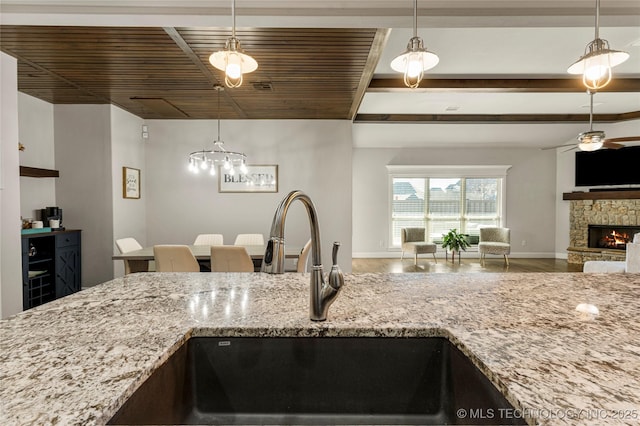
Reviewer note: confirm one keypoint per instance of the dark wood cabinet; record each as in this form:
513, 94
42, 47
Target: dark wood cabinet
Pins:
51, 266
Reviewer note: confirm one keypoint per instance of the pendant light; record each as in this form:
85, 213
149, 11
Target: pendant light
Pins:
598, 59
211, 159
232, 60
416, 59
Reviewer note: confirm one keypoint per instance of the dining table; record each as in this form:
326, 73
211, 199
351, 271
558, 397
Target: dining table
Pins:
139, 259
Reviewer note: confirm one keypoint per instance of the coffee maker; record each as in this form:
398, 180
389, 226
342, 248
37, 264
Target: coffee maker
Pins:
52, 213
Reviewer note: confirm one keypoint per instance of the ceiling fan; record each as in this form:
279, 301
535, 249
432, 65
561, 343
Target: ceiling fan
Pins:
594, 140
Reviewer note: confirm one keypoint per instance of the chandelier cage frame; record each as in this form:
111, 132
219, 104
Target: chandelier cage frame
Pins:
218, 156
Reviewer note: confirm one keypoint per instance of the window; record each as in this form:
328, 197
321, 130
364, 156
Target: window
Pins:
440, 198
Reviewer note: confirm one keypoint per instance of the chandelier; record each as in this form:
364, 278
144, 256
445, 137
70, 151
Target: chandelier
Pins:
232, 60
598, 59
416, 59
217, 156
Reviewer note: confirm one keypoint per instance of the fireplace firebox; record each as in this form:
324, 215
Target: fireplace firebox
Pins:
612, 237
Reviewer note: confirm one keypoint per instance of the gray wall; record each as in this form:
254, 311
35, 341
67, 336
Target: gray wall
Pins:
530, 194
84, 188
10, 251
312, 155
36, 134
127, 150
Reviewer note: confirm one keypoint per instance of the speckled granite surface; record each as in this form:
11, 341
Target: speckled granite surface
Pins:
75, 360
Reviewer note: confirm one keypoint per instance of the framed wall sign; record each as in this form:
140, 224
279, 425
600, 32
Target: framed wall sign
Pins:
259, 178
130, 182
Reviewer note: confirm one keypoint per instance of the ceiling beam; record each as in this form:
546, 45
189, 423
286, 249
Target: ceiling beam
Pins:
492, 118
500, 85
377, 46
184, 46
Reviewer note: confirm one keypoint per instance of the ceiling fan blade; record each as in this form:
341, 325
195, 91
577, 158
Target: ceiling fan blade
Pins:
612, 145
623, 139
571, 149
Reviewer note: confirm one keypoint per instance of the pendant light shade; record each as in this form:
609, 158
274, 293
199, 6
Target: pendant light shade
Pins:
598, 59
416, 59
232, 60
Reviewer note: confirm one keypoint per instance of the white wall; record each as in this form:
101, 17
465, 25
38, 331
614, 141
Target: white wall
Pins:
312, 155
530, 194
36, 134
10, 246
84, 188
127, 149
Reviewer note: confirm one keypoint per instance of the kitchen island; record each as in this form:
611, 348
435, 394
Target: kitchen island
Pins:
77, 359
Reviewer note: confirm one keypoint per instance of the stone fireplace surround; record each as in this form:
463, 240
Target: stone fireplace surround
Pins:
587, 209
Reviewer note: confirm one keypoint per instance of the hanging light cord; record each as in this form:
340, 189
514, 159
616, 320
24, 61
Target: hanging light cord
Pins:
233, 15
590, 110
218, 88
415, 18
597, 19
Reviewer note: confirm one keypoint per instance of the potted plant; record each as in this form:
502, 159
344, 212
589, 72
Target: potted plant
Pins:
455, 241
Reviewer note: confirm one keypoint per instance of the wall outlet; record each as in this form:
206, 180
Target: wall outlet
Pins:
524, 243
381, 243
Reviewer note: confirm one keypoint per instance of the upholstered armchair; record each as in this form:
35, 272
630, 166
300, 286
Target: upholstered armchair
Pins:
413, 241
494, 240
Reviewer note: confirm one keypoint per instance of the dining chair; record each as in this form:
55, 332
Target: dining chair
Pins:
209, 240
249, 240
230, 259
126, 245
175, 258
304, 257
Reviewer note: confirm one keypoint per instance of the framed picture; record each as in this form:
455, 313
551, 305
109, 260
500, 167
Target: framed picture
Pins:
259, 178
130, 182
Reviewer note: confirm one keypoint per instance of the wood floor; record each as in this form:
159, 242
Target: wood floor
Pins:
468, 264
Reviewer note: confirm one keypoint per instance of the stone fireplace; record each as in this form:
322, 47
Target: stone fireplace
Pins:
594, 211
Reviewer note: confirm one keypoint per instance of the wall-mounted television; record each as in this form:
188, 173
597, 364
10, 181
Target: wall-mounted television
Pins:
608, 167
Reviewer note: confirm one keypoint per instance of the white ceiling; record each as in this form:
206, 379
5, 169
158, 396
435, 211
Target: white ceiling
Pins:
474, 39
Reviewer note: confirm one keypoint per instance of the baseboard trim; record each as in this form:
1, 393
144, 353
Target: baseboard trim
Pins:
468, 253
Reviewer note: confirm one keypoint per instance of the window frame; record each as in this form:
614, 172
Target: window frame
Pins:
498, 172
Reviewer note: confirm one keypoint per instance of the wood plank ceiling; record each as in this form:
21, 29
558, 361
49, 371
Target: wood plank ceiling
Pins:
164, 73
303, 73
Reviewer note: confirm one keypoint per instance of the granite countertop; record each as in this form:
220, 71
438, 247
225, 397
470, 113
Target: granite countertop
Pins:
77, 359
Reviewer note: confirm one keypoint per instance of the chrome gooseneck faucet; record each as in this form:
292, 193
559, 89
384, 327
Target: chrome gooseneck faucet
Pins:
322, 293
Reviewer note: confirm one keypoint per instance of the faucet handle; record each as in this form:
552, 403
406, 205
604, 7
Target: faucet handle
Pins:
336, 278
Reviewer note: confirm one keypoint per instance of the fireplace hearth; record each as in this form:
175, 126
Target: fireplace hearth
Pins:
611, 237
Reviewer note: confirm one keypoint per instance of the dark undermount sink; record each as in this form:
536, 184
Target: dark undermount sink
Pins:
325, 380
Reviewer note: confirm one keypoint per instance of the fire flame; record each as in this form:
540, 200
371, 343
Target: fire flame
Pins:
616, 239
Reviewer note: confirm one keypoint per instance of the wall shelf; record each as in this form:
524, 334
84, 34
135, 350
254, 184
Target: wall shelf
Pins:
38, 173
602, 195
